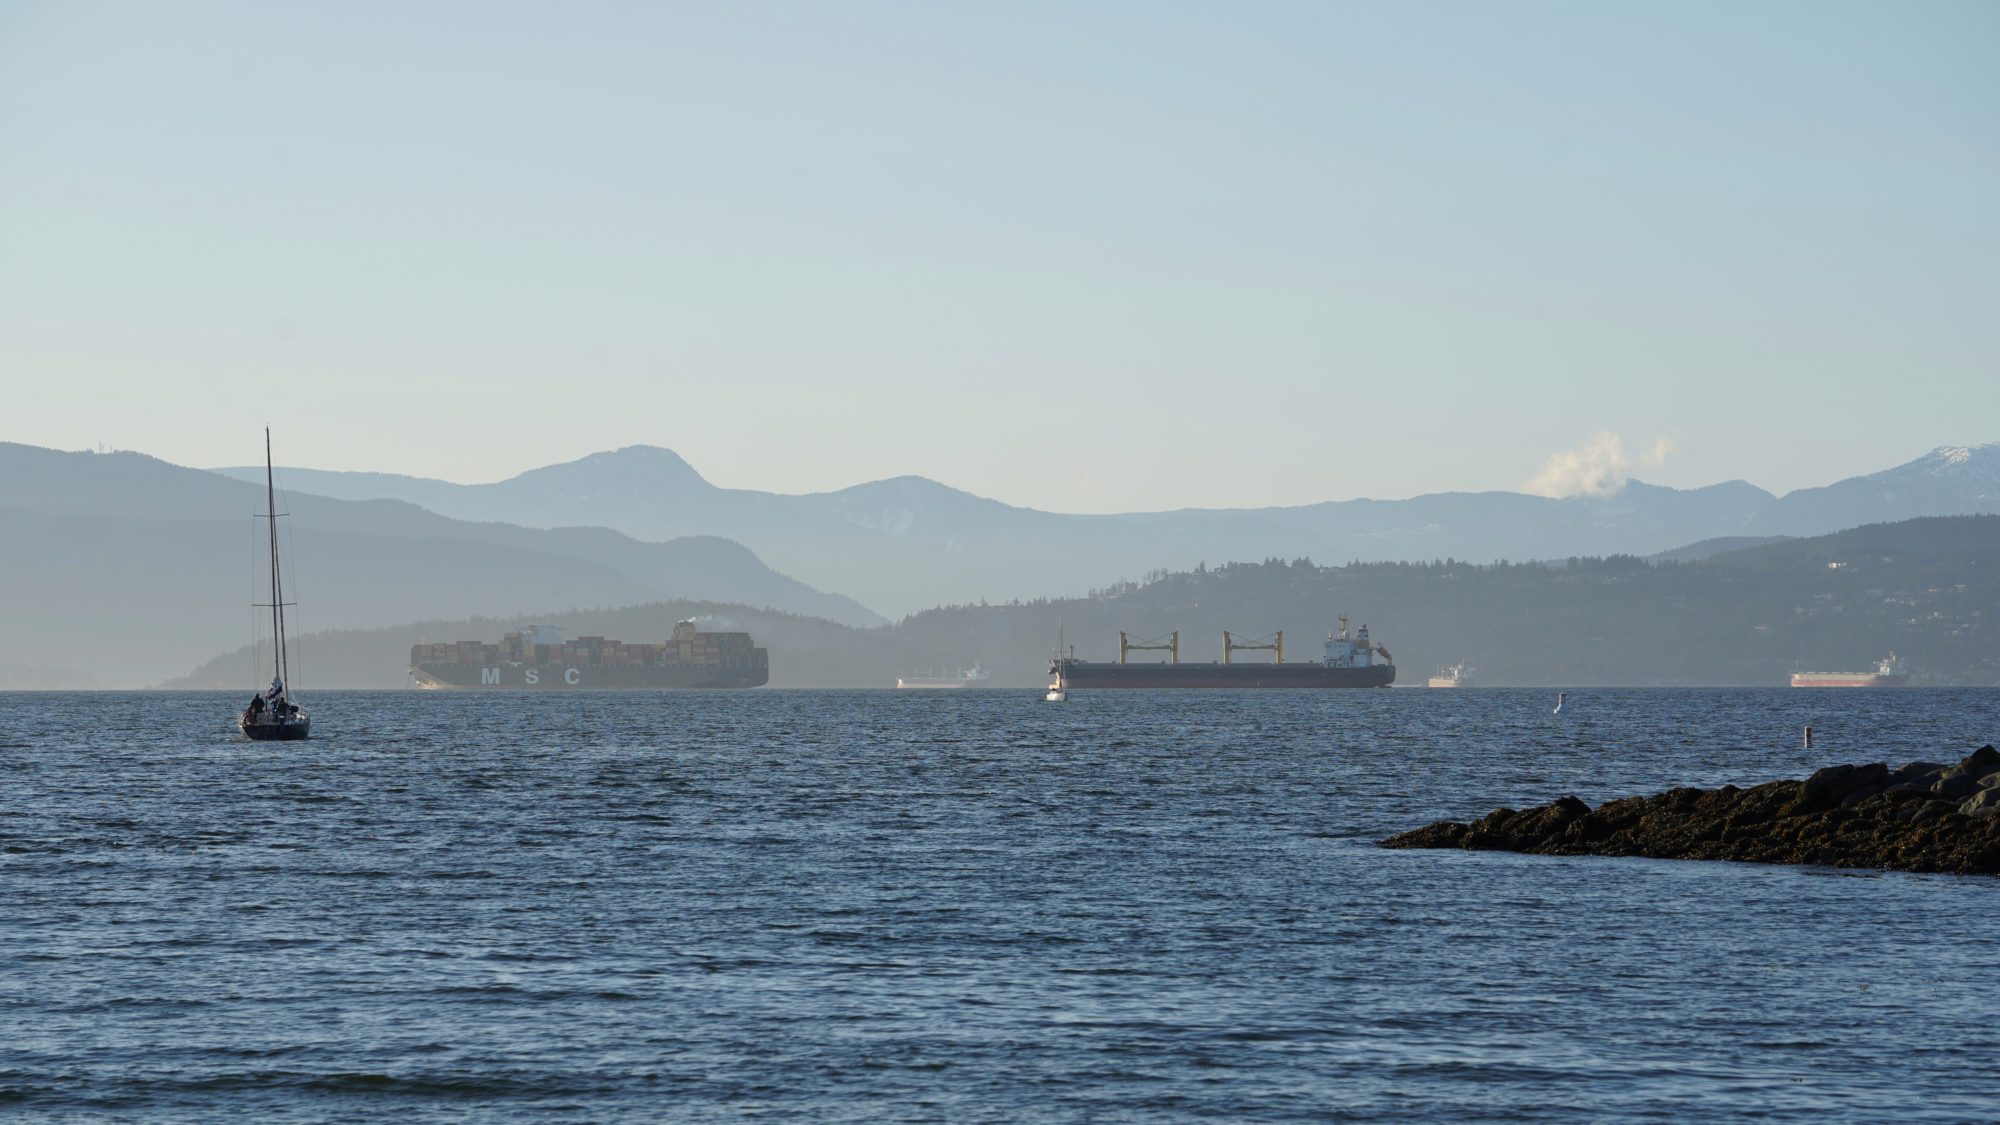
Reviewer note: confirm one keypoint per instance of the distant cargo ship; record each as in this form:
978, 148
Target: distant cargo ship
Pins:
972, 677
1458, 675
1350, 663
1887, 673
540, 658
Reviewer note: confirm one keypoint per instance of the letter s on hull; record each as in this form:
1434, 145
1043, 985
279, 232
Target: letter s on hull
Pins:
534, 677
572, 676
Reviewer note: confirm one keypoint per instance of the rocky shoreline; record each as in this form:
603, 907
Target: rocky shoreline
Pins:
1926, 816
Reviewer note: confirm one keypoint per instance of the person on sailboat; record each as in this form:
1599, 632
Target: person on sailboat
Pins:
255, 709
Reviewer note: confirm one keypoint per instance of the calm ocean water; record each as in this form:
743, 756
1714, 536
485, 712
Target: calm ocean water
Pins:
959, 907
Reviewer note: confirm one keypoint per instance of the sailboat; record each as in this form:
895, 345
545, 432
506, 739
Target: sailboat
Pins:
272, 716
1059, 690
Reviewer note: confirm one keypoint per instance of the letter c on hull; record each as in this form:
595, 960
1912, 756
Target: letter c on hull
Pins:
572, 676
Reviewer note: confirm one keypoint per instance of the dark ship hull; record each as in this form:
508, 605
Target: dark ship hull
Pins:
1086, 674
584, 677
292, 731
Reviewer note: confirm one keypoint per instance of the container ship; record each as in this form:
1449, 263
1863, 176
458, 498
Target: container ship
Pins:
1350, 663
540, 658
1887, 673
973, 677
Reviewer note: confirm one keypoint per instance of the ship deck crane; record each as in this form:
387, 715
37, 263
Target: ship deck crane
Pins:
1172, 647
1231, 646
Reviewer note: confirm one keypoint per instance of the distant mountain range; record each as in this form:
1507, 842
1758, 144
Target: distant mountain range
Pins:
122, 570
1709, 548
908, 543
1925, 588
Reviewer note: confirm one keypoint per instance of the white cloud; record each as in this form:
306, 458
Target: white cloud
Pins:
1598, 467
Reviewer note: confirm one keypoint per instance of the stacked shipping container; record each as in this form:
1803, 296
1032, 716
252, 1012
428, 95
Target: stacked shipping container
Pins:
688, 646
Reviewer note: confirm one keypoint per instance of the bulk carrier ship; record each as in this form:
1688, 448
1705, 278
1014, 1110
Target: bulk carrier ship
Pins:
1350, 663
973, 677
1887, 673
1457, 676
539, 658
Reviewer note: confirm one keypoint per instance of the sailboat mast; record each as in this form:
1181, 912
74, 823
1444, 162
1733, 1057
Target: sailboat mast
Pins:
277, 587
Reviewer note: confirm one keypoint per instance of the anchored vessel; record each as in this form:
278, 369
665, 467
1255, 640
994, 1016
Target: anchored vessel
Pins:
1458, 675
1350, 663
1059, 688
972, 677
541, 658
272, 716
1887, 673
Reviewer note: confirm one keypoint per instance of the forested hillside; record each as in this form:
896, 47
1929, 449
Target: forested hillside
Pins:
1928, 589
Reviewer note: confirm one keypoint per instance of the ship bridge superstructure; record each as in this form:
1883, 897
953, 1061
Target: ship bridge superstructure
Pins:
1353, 651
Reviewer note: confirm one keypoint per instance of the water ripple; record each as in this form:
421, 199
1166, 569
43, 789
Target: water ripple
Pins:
850, 906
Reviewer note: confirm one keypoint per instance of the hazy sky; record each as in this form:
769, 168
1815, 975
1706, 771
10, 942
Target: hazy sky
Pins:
1083, 257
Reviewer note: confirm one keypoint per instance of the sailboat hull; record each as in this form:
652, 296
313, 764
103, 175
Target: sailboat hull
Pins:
277, 732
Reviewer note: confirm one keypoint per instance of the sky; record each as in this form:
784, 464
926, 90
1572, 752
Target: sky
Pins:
1082, 257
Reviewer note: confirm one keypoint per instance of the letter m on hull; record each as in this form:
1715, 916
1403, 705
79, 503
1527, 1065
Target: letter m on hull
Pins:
489, 676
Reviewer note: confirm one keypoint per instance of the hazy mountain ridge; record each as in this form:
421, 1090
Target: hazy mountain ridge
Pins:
1925, 588
379, 658
1709, 548
130, 569
909, 543
1949, 480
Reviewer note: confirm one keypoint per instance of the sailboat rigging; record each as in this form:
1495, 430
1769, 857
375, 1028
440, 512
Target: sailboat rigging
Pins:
272, 716
1059, 689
